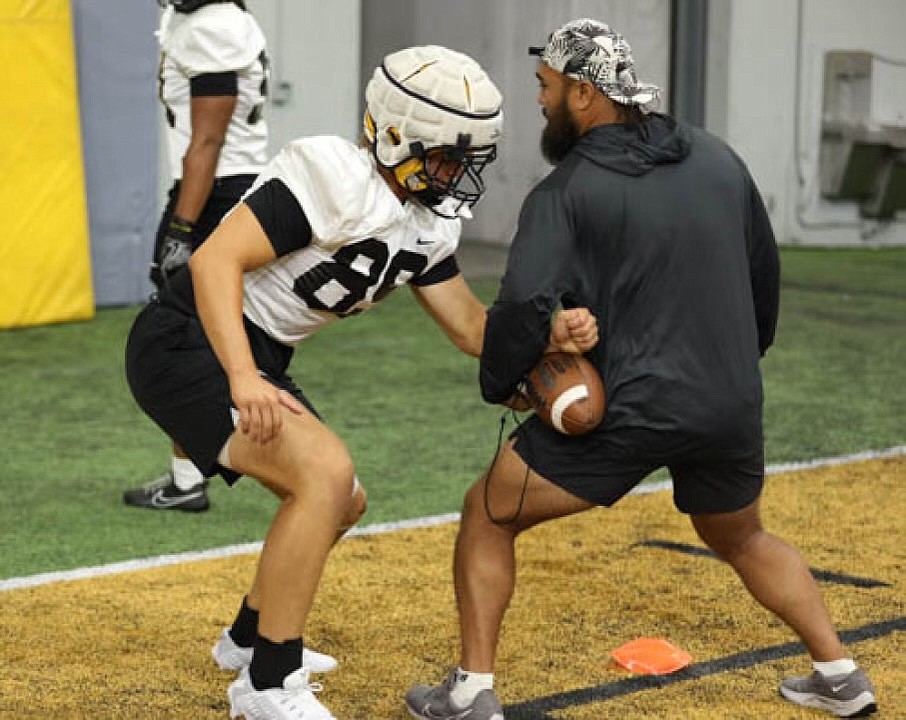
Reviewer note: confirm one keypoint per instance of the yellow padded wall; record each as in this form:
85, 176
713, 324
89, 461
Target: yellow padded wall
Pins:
45, 273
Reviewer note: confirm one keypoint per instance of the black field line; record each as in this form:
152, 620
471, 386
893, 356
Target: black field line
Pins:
822, 575
538, 708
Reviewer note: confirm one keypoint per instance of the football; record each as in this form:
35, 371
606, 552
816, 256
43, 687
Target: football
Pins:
566, 392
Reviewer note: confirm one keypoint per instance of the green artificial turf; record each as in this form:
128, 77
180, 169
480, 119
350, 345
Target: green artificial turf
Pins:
407, 405
835, 381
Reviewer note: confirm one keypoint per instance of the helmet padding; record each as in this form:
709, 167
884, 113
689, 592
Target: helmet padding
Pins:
425, 98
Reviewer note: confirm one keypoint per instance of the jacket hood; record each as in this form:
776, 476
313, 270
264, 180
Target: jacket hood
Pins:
658, 141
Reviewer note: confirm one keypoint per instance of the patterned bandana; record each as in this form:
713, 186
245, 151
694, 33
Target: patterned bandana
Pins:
587, 49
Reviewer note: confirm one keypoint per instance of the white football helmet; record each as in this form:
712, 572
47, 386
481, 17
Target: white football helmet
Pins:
432, 102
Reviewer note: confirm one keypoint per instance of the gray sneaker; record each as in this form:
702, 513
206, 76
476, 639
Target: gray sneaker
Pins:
435, 703
843, 695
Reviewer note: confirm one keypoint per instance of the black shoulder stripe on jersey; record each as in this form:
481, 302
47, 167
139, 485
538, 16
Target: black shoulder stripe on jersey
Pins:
214, 84
281, 216
444, 270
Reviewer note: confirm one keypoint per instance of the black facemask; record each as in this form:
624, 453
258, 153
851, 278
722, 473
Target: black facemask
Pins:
467, 187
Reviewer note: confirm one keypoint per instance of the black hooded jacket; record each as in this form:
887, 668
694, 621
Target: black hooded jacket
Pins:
661, 232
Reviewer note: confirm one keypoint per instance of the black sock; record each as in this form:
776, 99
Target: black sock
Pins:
271, 662
245, 626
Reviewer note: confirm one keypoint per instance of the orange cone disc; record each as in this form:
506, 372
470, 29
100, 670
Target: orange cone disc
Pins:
651, 656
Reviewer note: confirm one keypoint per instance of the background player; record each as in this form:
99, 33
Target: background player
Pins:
213, 87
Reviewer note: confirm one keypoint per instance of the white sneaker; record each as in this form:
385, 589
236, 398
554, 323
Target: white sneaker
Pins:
230, 656
296, 701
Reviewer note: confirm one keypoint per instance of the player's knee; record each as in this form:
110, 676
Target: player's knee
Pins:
327, 479
339, 474
730, 535
482, 509
358, 504
729, 544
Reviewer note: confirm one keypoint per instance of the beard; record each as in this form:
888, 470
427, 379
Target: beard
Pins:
560, 133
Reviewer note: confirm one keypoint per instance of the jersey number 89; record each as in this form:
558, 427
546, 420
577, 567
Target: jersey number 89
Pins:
341, 269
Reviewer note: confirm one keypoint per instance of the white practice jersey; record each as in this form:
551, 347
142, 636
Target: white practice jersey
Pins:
343, 239
218, 38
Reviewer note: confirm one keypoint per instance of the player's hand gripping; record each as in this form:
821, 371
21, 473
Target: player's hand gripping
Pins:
260, 406
573, 331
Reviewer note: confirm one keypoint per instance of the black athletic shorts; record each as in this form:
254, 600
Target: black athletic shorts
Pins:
602, 467
177, 380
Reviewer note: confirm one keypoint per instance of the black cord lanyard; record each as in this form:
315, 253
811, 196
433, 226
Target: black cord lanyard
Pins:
487, 480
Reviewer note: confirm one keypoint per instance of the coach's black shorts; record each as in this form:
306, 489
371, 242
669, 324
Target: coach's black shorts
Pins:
177, 380
604, 466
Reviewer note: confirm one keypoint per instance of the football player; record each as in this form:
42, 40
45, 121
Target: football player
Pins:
327, 230
213, 84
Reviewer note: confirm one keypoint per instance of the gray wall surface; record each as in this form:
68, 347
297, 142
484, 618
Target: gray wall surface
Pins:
117, 55
314, 51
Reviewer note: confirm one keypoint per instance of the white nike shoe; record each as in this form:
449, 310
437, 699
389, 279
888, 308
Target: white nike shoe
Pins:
230, 656
295, 701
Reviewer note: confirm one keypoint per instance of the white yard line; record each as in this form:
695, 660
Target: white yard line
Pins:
83, 573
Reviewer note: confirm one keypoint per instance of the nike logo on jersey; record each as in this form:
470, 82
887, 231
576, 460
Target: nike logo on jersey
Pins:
159, 499
419, 241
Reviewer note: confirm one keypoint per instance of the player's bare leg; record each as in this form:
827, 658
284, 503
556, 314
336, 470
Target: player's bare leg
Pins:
484, 564
775, 574
233, 650
315, 489
358, 504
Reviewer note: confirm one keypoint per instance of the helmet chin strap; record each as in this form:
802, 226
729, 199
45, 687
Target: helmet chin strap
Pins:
410, 174
412, 177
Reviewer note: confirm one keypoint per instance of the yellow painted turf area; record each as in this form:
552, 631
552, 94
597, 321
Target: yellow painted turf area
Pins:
137, 645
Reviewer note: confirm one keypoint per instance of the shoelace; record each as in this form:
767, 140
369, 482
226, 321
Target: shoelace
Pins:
448, 684
450, 681
302, 691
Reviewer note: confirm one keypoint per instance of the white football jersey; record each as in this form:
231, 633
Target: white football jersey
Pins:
363, 242
216, 38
